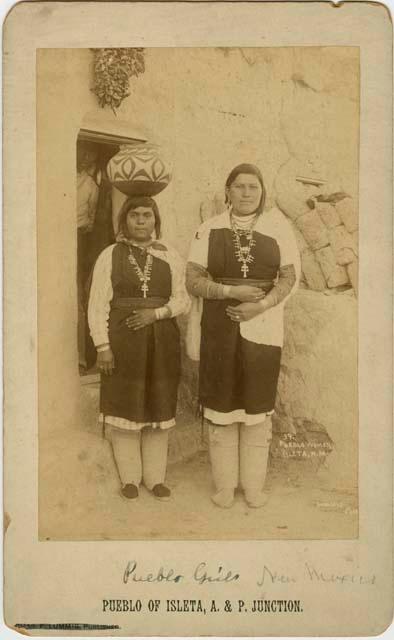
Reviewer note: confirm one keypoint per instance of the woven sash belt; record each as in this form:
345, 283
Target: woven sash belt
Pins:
139, 303
265, 285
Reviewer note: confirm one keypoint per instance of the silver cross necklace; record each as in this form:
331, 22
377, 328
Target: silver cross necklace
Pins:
243, 252
143, 276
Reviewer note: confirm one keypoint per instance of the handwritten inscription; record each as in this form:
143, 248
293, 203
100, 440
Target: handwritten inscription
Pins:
162, 575
313, 574
202, 574
317, 575
268, 575
273, 577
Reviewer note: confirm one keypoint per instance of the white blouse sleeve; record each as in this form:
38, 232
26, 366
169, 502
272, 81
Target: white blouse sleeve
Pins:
100, 297
198, 253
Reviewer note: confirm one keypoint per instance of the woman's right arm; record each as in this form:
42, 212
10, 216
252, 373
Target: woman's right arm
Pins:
199, 282
100, 297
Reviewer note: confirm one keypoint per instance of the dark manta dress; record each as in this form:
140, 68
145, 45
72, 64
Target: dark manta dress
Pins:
240, 361
143, 386
236, 373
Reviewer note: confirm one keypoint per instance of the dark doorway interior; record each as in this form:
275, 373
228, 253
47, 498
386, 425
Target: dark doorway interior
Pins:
94, 193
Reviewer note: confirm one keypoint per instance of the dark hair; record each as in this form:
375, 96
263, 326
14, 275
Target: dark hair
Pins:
133, 203
250, 169
87, 155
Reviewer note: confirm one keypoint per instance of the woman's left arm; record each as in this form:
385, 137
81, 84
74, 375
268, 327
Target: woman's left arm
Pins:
289, 269
282, 288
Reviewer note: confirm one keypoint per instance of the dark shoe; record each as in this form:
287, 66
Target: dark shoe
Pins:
161, 492
129, 491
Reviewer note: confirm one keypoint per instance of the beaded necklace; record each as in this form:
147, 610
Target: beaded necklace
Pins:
143, 276
243, 252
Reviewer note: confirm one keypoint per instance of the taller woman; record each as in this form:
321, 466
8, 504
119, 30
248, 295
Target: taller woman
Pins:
243, 263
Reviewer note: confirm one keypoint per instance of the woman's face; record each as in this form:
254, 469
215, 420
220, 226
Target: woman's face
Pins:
140, 224
244, 194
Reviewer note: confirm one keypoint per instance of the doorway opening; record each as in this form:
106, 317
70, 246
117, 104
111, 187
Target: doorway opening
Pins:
95, 146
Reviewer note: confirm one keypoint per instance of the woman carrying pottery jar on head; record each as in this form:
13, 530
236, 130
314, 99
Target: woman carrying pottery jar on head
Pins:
137, 291
243, 263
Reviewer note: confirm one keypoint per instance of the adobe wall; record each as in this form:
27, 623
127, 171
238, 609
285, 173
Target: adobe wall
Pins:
291, 111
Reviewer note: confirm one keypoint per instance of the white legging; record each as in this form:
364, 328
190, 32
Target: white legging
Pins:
239, 454
140, 455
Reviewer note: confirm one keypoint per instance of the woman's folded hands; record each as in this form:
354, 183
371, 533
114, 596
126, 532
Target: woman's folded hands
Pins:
244, 311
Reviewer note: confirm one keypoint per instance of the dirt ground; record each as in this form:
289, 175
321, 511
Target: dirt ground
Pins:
80, 500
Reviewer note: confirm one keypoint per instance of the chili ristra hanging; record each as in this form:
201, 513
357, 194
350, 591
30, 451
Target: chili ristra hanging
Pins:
112, 69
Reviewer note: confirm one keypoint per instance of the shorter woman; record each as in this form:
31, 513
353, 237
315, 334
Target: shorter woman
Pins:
137, 291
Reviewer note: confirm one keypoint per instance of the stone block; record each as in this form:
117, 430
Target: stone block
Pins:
291, 204
342, 245
313, 230
335, 274
348, 214
345, 256
352, 270
338, 277
312, 272
328, 214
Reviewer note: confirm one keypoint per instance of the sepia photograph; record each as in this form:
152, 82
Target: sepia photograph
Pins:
211, 342
197, 319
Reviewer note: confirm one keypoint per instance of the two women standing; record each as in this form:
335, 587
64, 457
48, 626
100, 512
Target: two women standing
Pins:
243, 264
